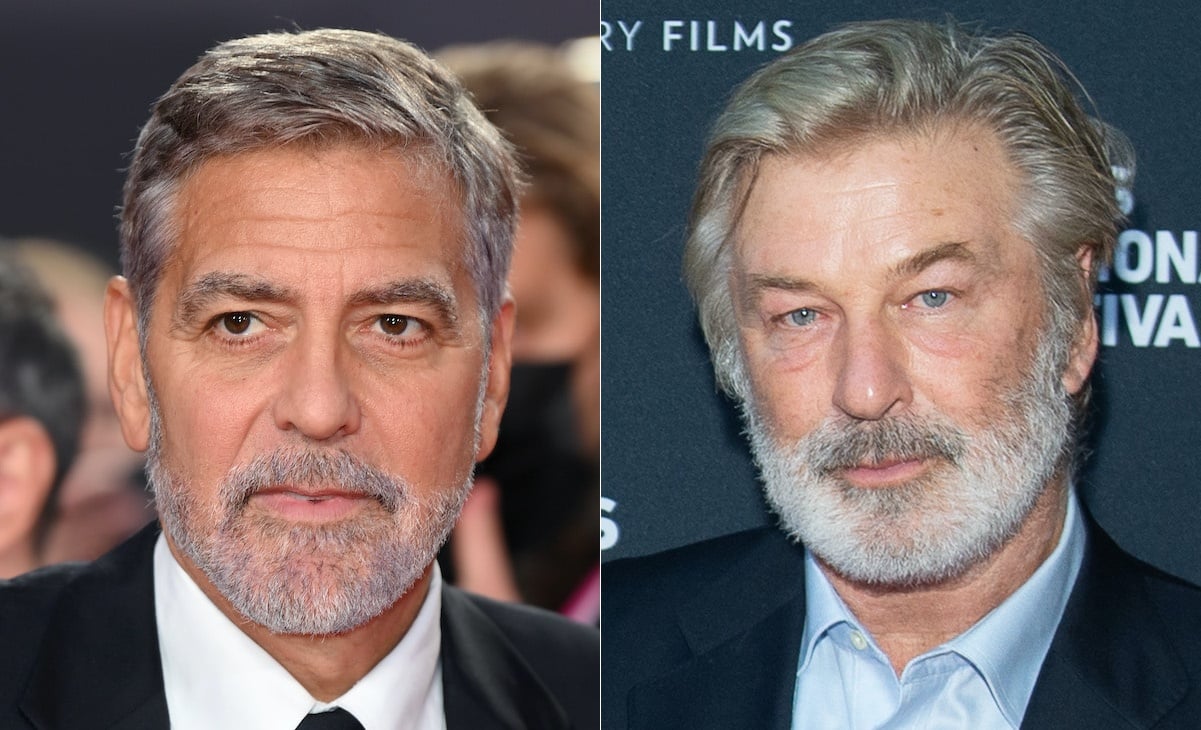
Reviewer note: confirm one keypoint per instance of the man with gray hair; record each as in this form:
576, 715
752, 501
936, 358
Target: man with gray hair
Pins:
311, 343
893, 250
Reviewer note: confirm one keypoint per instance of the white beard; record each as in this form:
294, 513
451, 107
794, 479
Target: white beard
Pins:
979, 491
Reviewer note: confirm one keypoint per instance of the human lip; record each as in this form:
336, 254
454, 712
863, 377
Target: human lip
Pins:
885, 473
312, 504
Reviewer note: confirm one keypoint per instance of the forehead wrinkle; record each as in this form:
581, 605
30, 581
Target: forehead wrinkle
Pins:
427, 292
199, 294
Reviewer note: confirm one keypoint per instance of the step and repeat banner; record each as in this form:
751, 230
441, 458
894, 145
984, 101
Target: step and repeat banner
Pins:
675, 466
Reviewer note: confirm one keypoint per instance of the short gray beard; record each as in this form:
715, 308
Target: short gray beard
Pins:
982, 488
297, 578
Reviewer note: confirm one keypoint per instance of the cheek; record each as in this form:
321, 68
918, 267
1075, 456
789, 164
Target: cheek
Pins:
206, 428
790, 390
963, 369
423, 431
969, 379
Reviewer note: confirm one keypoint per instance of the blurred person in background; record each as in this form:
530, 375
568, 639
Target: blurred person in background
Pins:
103, 499
529, 531
41, 412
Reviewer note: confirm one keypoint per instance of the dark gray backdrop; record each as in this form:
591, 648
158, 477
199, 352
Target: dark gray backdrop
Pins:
77, 78
675, 468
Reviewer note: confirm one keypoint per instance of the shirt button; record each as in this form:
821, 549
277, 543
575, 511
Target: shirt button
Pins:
858, 640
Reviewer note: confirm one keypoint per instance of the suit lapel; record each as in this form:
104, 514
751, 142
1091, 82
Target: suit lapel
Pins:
99, 664
745, 632
485, 682
1111, 663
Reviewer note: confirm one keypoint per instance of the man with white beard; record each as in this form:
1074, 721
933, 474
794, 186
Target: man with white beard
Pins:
311, 343
893, 251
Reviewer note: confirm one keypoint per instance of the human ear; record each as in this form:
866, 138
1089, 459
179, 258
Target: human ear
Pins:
126, 378
1084, 347
496, 392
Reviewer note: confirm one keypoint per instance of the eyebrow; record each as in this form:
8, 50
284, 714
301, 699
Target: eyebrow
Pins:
199, 295
756, 284
426, 292
949, 251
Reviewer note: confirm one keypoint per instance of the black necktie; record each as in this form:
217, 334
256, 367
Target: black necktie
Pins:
336, 719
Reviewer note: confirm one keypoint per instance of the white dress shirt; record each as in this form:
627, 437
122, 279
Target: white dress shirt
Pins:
216, 676
981, 679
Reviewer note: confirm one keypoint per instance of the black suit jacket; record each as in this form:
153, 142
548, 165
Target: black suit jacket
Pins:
708, 636
79, 650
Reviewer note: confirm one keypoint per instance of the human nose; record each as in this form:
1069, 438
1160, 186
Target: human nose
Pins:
317, 398
871, 373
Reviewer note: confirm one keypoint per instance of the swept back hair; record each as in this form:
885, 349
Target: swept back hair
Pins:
899, 77
319, 87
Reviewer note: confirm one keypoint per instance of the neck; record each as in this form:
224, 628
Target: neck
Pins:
908, 621
327, 666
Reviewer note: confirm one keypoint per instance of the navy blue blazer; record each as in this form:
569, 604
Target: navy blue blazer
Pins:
79, 651
708, 636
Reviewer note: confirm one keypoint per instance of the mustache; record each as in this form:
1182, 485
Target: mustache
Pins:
840, 444
313, 468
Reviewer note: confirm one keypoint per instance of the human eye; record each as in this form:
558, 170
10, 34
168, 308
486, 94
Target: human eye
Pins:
932, 299
236, 325
802, 317
401, 328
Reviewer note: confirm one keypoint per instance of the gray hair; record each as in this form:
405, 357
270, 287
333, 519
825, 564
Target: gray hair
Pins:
898, 77
318, 87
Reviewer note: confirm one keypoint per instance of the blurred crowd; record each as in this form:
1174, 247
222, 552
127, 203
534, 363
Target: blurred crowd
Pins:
70, 488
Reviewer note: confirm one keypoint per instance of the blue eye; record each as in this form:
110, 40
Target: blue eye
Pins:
801, 317
935, 298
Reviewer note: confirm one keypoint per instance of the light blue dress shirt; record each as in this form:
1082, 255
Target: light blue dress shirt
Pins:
981, 679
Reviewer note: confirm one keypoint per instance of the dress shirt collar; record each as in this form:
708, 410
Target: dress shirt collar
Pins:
217, 676
1007, 646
